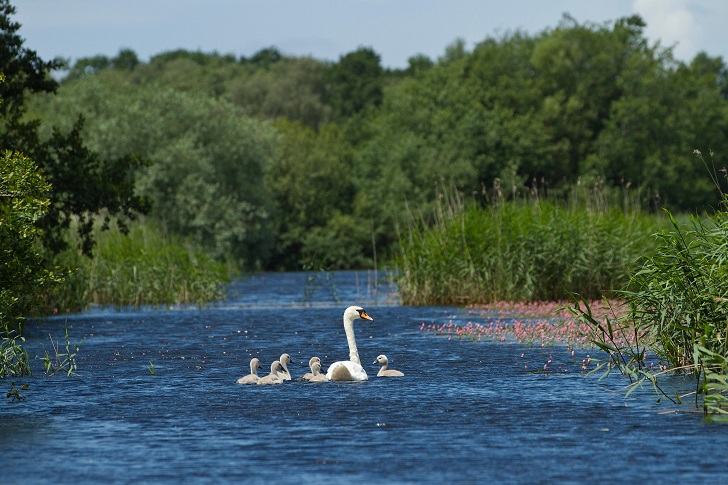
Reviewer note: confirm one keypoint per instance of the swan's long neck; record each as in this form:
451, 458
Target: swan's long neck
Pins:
353, 352
253, 369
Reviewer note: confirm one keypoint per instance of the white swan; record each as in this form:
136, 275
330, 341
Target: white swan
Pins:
285, 359
251, 378
350, 370
317, 375
308, 375
383, 371
273, 377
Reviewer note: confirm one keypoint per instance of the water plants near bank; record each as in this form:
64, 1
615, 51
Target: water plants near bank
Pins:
531, 323
537, 250
143, 267
678, 307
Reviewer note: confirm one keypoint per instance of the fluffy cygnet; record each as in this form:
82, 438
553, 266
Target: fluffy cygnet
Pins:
285, 360
317, 375
384, 372
308, 375
273, 377
251, 378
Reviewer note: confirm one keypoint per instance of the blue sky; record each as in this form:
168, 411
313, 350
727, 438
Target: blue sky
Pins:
327, 29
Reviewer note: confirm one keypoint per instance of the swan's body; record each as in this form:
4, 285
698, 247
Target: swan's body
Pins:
350, 370
317, 375
284, 374
251, 378
273, 377
383, 371
308, 375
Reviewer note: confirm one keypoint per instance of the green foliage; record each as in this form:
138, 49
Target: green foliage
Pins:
206, 182
82, 184
14, 393
25, 72
355, 83
61, 361
23, 273
143, 267
677, 310
714, 385
126, 59
14, 358
520, 251
575, 102
292, 89
678, 296
569, 105
313, 189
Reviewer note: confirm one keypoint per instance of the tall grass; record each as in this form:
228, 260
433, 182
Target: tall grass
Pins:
143, 267
522, 250
678, 310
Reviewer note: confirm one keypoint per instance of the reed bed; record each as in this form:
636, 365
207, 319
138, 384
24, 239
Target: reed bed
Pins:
678, 306
143, 267
537, 250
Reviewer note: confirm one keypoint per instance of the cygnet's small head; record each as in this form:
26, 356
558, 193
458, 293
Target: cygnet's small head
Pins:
286, 359
255, 363
276, 366
315, 367
381, 360
312, 360
354, 312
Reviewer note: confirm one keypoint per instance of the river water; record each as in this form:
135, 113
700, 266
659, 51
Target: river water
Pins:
465, 412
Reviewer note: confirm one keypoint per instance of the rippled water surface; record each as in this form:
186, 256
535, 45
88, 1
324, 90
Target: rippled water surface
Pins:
463, 412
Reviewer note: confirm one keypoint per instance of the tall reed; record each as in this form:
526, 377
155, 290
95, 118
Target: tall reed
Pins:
678, 310
143, 267
521, 250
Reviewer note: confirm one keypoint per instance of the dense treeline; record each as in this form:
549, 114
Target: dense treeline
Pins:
276, 161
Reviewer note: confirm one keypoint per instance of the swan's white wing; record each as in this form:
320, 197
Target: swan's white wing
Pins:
346, 370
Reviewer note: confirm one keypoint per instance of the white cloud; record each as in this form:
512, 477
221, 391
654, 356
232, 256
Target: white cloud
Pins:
673, 23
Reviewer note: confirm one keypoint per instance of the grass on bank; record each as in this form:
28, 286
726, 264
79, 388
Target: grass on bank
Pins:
143, 267
678, 310
522, 250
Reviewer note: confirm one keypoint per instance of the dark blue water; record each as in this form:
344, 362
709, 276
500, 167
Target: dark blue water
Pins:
464, 412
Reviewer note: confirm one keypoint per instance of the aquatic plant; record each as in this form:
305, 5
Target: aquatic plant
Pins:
143, 267
521, 250
150, 368
61, 361
532, 323
14, 358
317, 278
677, 310
14, 393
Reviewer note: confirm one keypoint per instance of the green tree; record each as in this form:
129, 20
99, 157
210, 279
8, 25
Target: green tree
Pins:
82, 184
355, 82
653, 128
23, 273
291, 88
206, 178
126, 59
313, 188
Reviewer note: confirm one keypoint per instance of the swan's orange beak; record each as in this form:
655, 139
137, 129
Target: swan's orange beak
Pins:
364, 315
